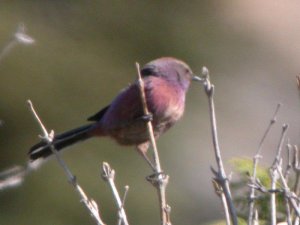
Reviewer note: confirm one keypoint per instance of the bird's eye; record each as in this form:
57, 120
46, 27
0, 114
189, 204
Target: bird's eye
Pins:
187, 70
147, 71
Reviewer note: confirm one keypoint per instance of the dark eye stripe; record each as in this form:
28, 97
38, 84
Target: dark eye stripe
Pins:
147, 71
178, 77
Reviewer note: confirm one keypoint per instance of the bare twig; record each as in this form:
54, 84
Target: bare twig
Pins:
13, 177
274, 178
256, 220
288, 211
296, 169
291, 196
159, 180
289, 166
279, 148
149, 124
126, 189
274, 174
108, 175
20, 37
91, 205
219, 192
255, 163
297, 220
257, 185
220, 174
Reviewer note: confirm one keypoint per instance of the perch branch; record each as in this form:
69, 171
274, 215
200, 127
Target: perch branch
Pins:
158, 179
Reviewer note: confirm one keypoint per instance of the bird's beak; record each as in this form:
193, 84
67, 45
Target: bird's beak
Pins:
197, 78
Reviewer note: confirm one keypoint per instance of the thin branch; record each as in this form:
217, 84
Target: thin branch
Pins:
219, 192
255, 164
256, 220
279, 148
257, 185
20, 37
274, 173
220, 174
125, 195
289, 166
296, 169
149, 124
291, 196
108, 175
274, 178
296, 221
13, 177
159, 180
91, 205
288, 211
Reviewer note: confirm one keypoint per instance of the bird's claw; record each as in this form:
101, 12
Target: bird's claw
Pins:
148, 117
157, 178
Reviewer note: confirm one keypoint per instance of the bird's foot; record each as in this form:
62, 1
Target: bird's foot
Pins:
146, 118
157, 179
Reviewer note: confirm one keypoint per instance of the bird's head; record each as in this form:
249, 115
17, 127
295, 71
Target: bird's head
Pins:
171, 69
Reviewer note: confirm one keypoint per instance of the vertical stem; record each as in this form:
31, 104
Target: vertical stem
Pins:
162, 179
109, 176
274, 173
255, 164
149, 124
274, 176
220, 175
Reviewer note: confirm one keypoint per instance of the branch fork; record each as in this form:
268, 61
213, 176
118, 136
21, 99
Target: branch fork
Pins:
90, 204
108, 175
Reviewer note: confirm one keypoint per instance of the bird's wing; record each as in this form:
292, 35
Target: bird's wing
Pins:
125, 108
98, 115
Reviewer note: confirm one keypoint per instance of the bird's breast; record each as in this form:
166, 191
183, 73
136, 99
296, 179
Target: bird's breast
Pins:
166, 102
123, 122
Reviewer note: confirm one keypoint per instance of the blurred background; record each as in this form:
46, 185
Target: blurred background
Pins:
84, 54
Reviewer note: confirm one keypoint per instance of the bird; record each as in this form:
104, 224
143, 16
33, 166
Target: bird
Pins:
166, 82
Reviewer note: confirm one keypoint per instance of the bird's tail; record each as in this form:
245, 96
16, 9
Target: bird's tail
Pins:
60, 141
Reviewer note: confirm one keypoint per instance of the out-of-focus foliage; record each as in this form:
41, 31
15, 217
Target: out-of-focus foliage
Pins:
222, 222
244, 167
